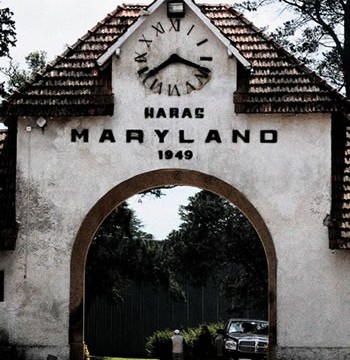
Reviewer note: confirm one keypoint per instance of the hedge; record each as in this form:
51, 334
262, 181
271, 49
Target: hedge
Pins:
158, 345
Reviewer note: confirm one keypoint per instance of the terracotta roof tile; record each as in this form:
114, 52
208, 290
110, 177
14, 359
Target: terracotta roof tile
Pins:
339, 220
74, 85
277, 82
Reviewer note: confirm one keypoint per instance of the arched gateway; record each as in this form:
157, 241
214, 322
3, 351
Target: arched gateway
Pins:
138, 184
174, 93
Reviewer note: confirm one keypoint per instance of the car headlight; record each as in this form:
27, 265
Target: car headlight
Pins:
230, 345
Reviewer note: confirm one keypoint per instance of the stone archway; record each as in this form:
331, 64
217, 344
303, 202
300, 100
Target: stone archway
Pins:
131, 187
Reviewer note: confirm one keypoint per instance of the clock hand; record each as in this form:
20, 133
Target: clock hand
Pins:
156, 69
176, 59
181, 60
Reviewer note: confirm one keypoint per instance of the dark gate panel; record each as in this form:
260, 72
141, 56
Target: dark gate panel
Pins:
122, 328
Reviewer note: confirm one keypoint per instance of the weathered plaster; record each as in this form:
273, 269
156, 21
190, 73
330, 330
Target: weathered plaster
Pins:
288, 183
312, 353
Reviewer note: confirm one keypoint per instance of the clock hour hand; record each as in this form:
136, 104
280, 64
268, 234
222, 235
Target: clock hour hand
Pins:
158, 68
176, 59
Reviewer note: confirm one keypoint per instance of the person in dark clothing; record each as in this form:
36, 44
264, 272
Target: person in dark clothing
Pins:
205, 343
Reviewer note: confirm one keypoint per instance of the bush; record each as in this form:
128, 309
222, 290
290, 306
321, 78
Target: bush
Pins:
158, 345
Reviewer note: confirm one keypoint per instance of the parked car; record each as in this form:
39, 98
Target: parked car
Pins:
246, 339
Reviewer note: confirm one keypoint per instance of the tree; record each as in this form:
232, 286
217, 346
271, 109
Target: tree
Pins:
122, 253
7, 37
16, 76
319, 34
215, 240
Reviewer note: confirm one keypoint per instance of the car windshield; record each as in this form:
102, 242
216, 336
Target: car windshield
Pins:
259, 328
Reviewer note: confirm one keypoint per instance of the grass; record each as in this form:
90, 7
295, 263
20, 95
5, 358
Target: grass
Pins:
114, 358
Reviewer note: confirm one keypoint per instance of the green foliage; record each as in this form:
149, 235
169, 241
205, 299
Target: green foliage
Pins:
121, 254
36, 61
7, 37
156, 192
116, 358
317, 33
7, 32
215, 240
158, 345
17, 76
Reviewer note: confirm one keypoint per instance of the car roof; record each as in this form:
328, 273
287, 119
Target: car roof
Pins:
247, 320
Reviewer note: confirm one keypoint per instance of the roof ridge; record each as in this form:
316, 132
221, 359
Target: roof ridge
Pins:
64, 55
91, 31
298, 63
44, 92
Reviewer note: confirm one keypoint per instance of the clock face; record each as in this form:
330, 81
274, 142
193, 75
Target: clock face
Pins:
173, 57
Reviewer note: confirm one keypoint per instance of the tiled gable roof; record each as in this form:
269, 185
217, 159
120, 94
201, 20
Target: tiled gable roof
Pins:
74, 84
8, 225
338, 221
278, 82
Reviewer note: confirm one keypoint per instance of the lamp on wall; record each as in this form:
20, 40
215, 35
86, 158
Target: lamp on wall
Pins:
41, 122
176, 8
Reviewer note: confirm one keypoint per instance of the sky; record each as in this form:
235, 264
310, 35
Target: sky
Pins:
51, 26
160, 215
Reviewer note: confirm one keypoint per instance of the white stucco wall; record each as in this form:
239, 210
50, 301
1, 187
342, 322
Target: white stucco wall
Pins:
288, 182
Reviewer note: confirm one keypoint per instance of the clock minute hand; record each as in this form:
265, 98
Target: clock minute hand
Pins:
181, 60
175, 59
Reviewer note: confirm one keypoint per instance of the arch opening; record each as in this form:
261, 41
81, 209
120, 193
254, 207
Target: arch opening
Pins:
135, 185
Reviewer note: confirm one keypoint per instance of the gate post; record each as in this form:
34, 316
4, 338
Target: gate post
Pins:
76, 351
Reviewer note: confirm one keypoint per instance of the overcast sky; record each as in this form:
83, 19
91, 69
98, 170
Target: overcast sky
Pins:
160, 216
52, 25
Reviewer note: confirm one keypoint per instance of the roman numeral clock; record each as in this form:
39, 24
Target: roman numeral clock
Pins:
173, 57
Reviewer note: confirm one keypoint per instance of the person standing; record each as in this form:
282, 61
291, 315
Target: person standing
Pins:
204, 343
177, 341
